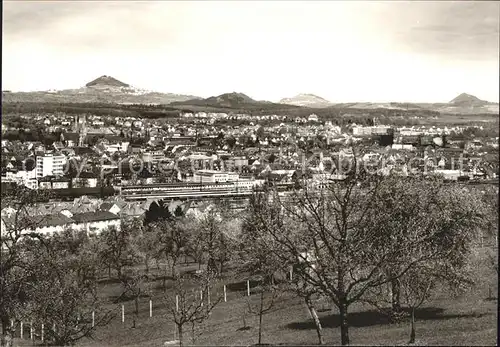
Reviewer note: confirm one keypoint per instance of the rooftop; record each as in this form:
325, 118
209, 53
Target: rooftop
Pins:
97, 216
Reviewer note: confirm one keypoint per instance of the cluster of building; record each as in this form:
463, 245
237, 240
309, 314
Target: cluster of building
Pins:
189, 159
164, 148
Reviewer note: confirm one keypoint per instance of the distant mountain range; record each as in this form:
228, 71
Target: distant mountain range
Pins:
464, 104
107, 89
468, 100
106, 81
235, 101
104, 89
307, 100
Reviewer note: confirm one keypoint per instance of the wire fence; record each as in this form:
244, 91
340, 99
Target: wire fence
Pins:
156, 306
127, 313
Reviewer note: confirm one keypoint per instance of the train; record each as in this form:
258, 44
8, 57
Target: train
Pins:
187, 189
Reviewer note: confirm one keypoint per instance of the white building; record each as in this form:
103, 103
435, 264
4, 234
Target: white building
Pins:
449, 174
91, 222
50, 165
95, 222
399, 146
137, 123
211, 176
322, 180
153, 156
122, 147
247, 184
374, 130
312, 118
20, 177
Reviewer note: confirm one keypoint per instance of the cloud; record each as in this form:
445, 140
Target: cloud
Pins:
95, 25
454, 30
268, 49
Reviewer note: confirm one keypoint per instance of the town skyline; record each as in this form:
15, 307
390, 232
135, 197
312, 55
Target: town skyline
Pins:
394, 52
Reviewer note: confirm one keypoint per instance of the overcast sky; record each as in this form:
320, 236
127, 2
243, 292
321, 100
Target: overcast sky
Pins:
342, 51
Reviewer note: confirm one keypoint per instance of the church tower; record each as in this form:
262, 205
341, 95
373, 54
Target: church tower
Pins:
82, 130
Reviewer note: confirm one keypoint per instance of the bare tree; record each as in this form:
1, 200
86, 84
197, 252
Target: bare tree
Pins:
118, 249
171, 242
62, 287
416, 286
308, 293
260, 262
335, 233
134, 286
451, 217
146, 245
18, 225
195, 246
210, 239
268, 293
260, 258
186, 307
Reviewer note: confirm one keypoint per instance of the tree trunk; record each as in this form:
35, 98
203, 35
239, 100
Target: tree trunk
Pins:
211, 265
146, 261
164, 283
193, 339
412, 333
180, 334
395, 295
344, 326
260, 328
164, 280
137, 305
317, 322
7, 335
261, 313
167, 267
396, 311
174, 265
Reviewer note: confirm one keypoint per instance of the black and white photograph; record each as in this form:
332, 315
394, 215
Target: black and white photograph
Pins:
249, 173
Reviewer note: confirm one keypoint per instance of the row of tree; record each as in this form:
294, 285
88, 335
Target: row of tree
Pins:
376, 241
385, 241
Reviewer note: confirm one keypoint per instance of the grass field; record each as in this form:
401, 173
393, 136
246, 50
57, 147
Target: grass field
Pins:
470, 319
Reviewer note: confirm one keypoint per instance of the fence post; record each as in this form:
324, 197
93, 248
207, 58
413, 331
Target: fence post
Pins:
123, 313
93, 319
31, 330
248, 287
150, 308
291, 274
177, 303
208, 295
42, 333
201, 297
225, 297
21, 333
12, 324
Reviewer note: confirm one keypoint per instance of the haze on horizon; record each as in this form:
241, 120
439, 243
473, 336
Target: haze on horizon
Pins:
341, 51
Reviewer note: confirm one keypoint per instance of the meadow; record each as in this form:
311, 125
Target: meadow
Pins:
467, 319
